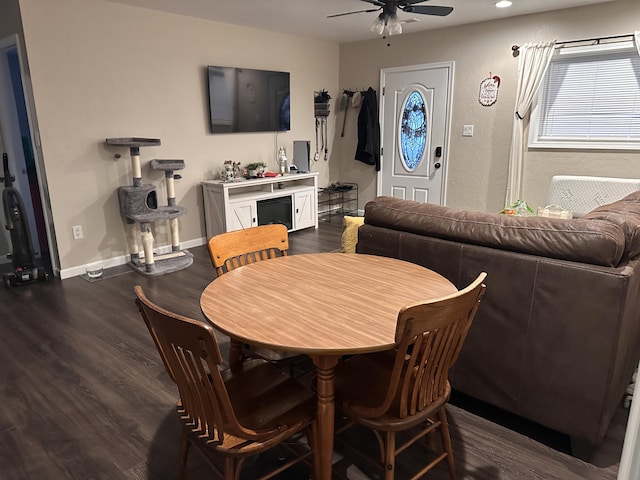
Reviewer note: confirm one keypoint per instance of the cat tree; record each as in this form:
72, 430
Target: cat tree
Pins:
139, 207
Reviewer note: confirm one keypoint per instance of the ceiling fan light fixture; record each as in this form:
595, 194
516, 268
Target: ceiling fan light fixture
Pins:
378, 24
394, 27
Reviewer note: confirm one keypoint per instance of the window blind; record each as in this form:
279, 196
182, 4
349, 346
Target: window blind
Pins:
592, 97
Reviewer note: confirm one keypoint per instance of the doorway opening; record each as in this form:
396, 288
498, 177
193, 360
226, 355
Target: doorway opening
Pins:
17, 141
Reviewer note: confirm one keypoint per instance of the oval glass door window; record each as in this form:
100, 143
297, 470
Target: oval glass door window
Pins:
413, 130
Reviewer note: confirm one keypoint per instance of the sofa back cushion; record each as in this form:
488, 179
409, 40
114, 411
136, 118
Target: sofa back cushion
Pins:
594, 241
626, 214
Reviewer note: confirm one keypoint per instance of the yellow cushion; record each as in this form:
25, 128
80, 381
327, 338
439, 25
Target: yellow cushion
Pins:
350, 233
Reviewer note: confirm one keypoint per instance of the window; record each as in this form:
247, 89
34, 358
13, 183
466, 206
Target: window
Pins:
413, 131
589, 98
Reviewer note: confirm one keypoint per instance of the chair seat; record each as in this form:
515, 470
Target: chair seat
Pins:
275, 402
268, 354
274, 399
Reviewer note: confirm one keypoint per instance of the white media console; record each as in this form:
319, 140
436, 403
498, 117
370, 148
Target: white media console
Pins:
291, 199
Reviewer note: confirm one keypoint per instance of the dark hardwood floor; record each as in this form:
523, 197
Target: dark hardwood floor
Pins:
84, 394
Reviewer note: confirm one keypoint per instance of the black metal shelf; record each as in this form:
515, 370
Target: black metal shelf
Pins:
337, 200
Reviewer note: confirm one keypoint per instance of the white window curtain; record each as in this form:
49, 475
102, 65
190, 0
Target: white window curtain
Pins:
532, 65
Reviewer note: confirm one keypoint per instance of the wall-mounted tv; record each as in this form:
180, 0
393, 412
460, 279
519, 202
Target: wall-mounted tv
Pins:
248, 100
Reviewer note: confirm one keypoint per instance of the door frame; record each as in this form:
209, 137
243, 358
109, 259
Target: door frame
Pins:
450, 65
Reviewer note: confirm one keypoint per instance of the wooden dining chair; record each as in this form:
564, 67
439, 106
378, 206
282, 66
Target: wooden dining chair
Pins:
235, 249
228, 414
394, 391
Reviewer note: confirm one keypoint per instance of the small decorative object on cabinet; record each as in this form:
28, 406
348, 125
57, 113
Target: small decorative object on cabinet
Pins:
337, 200
255, 169
139, 206
231, 171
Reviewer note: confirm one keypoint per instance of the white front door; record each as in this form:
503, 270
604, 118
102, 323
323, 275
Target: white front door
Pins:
415, 122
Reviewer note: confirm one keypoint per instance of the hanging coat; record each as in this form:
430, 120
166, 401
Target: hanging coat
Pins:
368, 149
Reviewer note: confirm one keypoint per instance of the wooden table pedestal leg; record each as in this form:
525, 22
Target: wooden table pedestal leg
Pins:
235, 353
326, 414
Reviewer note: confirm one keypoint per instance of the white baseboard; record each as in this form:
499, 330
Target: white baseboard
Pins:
123, 259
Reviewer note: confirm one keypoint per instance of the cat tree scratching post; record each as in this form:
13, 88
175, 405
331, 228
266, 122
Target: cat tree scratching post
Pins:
169, 166
139, 206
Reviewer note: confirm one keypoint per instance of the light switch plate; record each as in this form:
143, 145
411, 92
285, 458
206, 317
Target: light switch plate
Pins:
467, 131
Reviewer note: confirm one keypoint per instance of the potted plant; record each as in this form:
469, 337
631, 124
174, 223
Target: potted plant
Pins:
255, 169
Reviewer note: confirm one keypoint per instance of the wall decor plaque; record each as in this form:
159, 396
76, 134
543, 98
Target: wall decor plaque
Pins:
489, 90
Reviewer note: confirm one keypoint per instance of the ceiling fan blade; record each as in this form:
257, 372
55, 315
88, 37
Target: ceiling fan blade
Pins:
428, 10
376, 2
351, 13
405, 3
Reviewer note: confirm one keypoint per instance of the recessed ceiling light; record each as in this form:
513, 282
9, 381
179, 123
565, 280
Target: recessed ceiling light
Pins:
503, 3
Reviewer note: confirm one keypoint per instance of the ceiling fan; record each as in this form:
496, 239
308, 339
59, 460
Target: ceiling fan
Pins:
388, 22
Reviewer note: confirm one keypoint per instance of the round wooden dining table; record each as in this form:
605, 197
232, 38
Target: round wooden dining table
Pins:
324, 305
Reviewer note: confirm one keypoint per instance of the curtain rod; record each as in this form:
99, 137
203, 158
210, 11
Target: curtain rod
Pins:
516, 48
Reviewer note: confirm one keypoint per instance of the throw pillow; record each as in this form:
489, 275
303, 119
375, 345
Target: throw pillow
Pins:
350, 233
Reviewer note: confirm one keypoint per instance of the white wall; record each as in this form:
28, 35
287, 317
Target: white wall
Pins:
478, 165
101, 70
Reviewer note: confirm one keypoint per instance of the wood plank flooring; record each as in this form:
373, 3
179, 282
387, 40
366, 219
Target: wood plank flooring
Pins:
84, 395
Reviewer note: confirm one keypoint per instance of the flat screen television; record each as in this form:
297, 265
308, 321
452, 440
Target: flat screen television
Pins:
248, 100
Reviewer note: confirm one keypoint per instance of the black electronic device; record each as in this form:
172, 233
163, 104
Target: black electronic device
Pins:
248, 100
301, 155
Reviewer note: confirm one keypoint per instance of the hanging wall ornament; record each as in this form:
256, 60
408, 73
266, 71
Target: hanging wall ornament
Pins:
489, 90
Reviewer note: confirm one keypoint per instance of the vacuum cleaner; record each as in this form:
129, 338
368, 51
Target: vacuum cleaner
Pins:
22, 257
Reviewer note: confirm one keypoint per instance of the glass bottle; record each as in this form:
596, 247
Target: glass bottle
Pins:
282, 160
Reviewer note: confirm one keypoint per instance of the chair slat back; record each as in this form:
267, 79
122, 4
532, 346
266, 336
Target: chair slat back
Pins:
234, 249
190, 352
430, 336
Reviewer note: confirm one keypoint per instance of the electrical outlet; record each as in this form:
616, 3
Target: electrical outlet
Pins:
467, 131
77, 232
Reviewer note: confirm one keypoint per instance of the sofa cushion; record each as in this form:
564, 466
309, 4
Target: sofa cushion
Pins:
626, 214
594, 241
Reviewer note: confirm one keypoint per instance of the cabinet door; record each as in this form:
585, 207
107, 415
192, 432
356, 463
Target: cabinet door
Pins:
213, 210
241, 215
304, 209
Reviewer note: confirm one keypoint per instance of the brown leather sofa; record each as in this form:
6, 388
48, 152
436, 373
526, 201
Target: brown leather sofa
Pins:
557, 336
